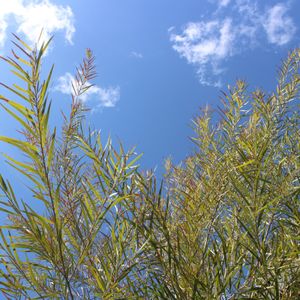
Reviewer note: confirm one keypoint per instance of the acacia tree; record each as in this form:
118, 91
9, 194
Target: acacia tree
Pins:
223, 225
76, 245
230, 225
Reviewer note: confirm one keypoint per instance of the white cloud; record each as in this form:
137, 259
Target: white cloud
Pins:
98, 97
279, 27
221, 3
224, 3
31, 17
136, 54
207, 44
3, 27
274, 21
247, 8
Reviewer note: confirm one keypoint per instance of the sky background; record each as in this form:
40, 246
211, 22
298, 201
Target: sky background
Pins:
158, 61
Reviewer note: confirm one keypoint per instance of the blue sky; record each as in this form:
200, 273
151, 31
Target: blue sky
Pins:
158, 61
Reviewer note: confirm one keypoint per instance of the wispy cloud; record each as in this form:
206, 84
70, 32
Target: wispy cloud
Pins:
205, 44
96, 97
279, 27
136, 54
31, 17
236, 26
221, 3
224, 2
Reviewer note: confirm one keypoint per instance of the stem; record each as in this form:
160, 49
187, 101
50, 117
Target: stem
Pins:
46, 171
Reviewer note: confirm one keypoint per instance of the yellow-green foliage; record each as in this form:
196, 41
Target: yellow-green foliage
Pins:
224, 224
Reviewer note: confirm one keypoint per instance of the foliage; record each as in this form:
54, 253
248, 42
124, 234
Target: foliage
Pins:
224, 224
